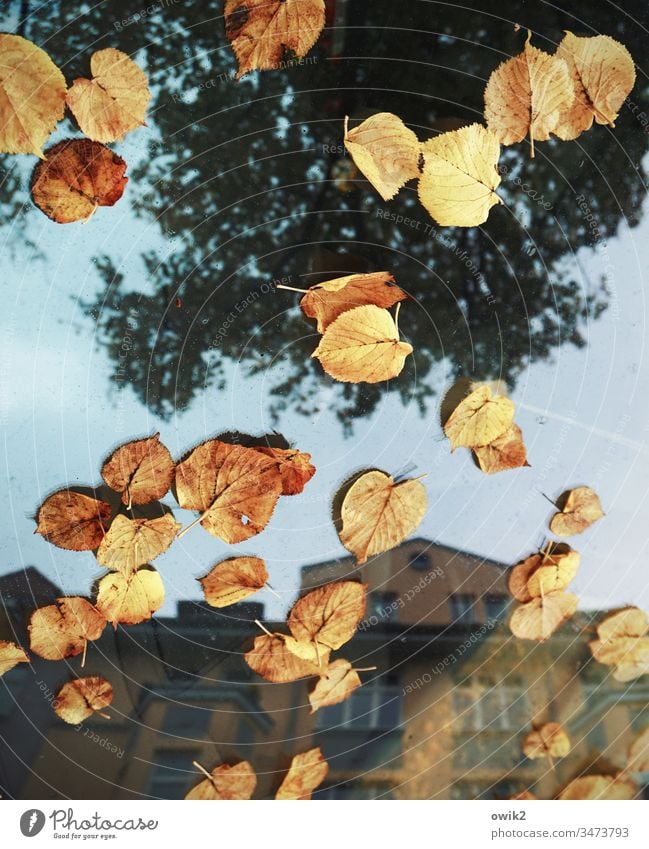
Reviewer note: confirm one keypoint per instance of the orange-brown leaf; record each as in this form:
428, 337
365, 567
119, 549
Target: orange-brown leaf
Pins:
234, 580
73, 521
581, 509
79, 699
295, 468
130, 599
142, 470
505, 452
540, 617
61, 630
11, 655
328, 615
550, 740
336, 685
130, 543
307, 771
520, 575
599, 787
76, 177
270, 658
479, 419
235, 782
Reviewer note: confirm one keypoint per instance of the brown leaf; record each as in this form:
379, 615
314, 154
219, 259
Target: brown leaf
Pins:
295, 468
328, 615
623, 643
307, 771
336, 685
549, 741
142, 470
263, 32
114, 101
326, 301
130, 599
599, 787
479, 419
11, 655
32, 96
639, 753
362, 346
61, 630
270, 658
505, 452
73, 521
602, 75
234, 580
79, 699
378, 514
526, 95
520, 575
540, 617
130, 543
235, 782
76, 177
235, 488
581, 509
385, 151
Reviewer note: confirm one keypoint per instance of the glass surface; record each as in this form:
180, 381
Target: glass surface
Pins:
161, 314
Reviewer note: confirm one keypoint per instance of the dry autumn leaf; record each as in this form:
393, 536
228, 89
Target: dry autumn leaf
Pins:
326, 301
385, 151
460, 176
336, 685
32, 96
539, 618
307, 771
295, 468
235, 489
130, 599
377, 513
114, 101
263, 32
130, 543
79, 699
581, 508
557, 568
76, 177
328, 615
270, 658
11, 655
362, 346
73, 521
63, 629
236, 782
527, 95
599, 787
523, 796
234, 580
638, 760
520, 575
142, 471
505, 452
479, 419
623, 644
549, 741
602, 74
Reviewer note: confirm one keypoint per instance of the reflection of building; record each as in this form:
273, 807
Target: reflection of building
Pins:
443, 716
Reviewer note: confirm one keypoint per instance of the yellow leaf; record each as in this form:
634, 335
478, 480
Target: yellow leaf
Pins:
479, 419
32, 96
336, 685
555, 571
295, 468
235, 488
130, 543
460, 176
11, 655
130, 598
550, 740
142, 470
362, 346
114, 101
623, 644
73, 521
599, 787
261, 32
602, 74
328, 615
270, 658
505, 452
235, 782
326, 301
79, 699
581, 509
526, 95
306, 772
62, 630
385, 150
540, 617
233, 580
378, 514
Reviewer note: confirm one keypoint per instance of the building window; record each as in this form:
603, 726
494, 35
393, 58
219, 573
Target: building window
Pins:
495, 606
463, 610
383, 606
172, 773
421, 562
371, 707
186, 720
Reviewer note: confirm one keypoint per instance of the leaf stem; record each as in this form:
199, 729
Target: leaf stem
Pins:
291, 288
268, 586
263, 628
202, 769
366, 669
396, 317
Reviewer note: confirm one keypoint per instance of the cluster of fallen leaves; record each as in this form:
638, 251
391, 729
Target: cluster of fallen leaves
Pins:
360, 338
237, 782
75, 176
531, 95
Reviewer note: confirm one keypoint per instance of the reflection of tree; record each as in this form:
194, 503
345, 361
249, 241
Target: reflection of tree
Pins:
244, 176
